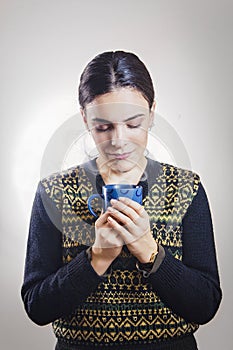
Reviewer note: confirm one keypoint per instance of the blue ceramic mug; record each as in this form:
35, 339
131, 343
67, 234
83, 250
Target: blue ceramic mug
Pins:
115, 191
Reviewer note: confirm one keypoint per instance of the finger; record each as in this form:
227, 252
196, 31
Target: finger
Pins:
129, 212
122, 218
133, 205
102, 219
125, 234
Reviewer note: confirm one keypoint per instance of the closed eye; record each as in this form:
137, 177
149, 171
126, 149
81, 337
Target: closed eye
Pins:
103, 127
133, 126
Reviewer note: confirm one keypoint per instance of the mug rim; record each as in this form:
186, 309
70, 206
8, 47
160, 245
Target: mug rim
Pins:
120, 186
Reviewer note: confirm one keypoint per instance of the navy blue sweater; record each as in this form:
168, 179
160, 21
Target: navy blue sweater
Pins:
190, 287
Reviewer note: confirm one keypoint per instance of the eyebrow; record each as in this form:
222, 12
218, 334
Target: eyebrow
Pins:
101, 120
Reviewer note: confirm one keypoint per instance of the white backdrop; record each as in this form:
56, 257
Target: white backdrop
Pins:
45, 44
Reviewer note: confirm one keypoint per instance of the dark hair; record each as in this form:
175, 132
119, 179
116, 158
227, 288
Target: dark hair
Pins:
111, 70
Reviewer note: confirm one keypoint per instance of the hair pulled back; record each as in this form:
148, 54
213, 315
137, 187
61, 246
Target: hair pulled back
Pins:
111, 70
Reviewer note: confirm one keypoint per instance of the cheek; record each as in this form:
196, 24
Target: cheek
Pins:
140, 137
101, 140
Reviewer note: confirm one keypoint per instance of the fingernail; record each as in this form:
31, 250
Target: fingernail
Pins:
113, 200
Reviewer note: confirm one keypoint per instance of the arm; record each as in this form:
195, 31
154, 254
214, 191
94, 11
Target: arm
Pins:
191, 287
51, 289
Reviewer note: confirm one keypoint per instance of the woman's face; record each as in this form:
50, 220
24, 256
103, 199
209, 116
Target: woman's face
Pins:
119, 123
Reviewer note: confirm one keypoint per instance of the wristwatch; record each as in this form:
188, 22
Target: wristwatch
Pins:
148, 266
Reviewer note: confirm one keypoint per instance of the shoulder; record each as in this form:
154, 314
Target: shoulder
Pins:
183, 178
173, 179
175, 171
64, 177
58, 177
56, 184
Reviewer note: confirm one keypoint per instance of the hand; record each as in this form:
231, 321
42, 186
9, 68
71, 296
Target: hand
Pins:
131, 222
107, 246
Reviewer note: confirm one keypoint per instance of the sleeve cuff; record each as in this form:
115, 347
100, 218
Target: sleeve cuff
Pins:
159, 259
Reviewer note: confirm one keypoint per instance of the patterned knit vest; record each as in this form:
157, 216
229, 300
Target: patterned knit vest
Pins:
123, 309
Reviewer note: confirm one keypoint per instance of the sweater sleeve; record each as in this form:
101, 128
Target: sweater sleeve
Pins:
191, 287
51, 289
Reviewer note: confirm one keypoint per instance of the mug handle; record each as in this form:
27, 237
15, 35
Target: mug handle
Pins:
90, 199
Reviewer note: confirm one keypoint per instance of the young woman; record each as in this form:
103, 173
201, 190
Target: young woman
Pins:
140, 276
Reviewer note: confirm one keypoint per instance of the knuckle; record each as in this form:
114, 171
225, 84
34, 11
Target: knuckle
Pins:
128, 222
97, 225
140, 207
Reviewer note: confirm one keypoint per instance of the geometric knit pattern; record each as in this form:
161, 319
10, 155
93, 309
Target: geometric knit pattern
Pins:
123, 308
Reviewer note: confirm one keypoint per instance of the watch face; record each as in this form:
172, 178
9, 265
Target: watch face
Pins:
153, 256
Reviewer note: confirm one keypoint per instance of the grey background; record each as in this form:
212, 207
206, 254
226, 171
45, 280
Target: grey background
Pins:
187, 46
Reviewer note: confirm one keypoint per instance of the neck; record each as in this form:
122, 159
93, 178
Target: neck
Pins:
111, 175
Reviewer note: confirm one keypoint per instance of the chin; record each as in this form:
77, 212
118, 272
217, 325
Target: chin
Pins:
123, 166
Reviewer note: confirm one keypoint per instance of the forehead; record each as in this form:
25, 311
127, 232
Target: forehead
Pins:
115, 111
118, 105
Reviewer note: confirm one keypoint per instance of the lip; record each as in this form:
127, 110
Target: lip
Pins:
120, 156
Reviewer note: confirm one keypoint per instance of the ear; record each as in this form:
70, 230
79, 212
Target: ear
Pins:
82, 111
152, 114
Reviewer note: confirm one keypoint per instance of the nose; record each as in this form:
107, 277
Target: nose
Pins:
118, 137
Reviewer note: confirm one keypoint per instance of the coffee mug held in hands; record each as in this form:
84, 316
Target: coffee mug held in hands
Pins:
114, 191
